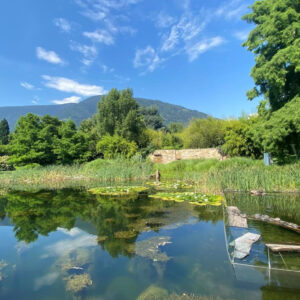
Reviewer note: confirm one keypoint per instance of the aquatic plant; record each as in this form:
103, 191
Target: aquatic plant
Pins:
125, 234
150, 248
171, 184
76, 283
191, 197
118, 190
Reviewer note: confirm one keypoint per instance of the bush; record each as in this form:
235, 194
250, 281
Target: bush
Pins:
4, 164
114, 146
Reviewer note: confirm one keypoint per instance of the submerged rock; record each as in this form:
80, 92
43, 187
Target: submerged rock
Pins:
236, 218
150, 248
244, 243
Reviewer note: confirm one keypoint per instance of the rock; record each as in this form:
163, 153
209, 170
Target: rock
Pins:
235, 218
244, 243
283, 248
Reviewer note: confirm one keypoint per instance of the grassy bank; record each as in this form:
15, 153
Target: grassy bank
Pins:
87, 175
210, 176
240, 174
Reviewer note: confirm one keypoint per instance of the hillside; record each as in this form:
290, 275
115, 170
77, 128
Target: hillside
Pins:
88, 107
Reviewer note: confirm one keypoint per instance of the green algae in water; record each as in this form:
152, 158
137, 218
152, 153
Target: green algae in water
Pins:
118, 190
191, 197
77, 283
125, 234
150, 248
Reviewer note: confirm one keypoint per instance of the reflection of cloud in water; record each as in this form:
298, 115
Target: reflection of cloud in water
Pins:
73, 232
63, 247
45, 280
22, 246
191, 221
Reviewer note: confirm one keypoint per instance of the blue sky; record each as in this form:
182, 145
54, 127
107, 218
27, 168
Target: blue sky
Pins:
186, 52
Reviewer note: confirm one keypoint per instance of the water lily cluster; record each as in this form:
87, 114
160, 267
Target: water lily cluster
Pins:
191, 197
118, 190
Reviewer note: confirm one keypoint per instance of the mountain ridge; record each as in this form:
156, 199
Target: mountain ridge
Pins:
86, 108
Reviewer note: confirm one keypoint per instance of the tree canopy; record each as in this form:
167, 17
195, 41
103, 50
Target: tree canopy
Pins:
275, 42
4, 132
119, 114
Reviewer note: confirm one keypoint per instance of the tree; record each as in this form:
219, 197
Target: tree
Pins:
204, 133
152, 117
238, 138
4, 132
113, 146
70, 146
275, 42
175, 127
119, 114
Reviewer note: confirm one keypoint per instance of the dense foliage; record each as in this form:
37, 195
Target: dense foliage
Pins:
114, 146
275, 41
4, 132
152, 117
45, 140
204, 133
119, 114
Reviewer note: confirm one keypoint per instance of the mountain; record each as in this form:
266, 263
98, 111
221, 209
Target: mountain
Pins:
85, 109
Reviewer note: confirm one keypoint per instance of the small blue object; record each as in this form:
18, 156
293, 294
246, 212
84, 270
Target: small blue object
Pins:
267, 159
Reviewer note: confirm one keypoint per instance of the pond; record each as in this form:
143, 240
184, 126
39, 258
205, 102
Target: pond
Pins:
72, 244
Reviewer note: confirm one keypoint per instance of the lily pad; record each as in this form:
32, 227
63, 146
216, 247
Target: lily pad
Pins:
118, 190
168, 185
191, 197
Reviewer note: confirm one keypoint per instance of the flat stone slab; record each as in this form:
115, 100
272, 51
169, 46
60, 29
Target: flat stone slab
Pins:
283, 248
236, 218
243, 244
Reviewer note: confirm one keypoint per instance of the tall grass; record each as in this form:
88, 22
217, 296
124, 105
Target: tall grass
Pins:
210, 175
85, 175
240, 174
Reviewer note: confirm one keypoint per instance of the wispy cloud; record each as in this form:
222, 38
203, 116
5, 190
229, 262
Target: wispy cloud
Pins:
146, 58
35, 100
202, 46
27, 85
62, 24
164, 20
49, 56
73, 99
89, 53
100, 36
241, 35
71, 86
233, 9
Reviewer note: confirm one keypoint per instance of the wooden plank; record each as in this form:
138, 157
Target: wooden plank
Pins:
283, 248
236, 218
275, 221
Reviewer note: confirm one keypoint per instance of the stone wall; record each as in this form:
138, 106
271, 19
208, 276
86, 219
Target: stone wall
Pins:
166, 156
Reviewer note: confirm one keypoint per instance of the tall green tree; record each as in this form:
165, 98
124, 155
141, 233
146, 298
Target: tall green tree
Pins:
152, 117
275, 42
119, 114
4, 132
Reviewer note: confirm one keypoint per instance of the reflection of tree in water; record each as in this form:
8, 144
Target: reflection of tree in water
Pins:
117, 221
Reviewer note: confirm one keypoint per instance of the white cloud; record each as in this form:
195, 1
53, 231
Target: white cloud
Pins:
45, 280
72, 232
71, 86
89, 52
241, 35
27, 85
49, 56
146, 58
202, 46
73, 99
62, 24
233, 9
100, 36
35, 100
163, 20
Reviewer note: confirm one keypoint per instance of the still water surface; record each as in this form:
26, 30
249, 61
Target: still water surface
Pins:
69, 244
